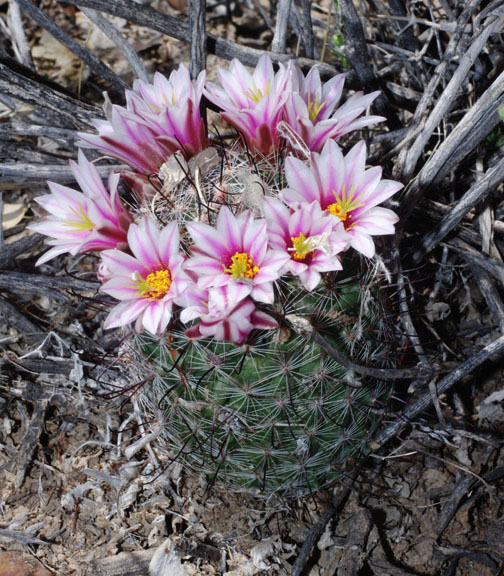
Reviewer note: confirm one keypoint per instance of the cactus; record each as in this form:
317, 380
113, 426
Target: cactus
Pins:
276, 413
238, 265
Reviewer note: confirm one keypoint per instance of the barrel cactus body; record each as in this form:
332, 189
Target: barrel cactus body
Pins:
242, 263
277, 413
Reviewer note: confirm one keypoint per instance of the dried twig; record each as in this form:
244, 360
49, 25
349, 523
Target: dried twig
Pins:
19, 42
279, 41
94, 63
23, 283
197, 30
16, 175
481, 118
59, 104
307, 28
339, 499
419, 405
166, 24
118, 39
358, 56
439, 74
469, 200
10, 252
448, 96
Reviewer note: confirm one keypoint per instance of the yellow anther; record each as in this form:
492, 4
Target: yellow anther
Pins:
82, 224
344, 204
314, 107
242, 266
255, 94
301, 247
155, 286
159, 282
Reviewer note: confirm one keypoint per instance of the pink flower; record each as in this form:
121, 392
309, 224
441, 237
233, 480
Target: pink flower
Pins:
147, 282
311, 108
223, 314
78, 222
235, 252
346, 190
308, 236
252, 103
158, 120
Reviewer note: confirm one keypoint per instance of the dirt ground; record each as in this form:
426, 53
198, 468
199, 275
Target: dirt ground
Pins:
82, 493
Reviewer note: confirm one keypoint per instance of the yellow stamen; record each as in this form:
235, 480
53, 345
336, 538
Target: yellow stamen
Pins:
83, 224
242, 266
155, 286
314, 107
345, 204
255, 94
301, 247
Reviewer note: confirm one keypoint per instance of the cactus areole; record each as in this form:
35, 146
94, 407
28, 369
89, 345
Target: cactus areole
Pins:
224, 254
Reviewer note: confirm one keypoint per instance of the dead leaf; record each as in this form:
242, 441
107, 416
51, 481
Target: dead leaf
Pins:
12, 215
66, 63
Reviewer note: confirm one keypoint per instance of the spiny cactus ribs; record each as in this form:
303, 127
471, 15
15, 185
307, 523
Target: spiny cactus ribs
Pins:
276, 413
229, 254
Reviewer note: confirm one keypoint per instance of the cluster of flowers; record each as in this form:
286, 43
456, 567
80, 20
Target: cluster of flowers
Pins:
329, 205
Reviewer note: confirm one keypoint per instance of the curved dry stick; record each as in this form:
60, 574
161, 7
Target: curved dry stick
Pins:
469, 200
418, 406
118, 39
303, 327
448, 96
96, 65
481, 118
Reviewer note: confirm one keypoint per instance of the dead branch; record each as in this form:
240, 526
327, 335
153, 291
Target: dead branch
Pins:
94, 63
166, 24
469, 200
417, 406
19, 41
358, 56
117, 38
316, 531
10, 252
24, 283
13, 175
198, 36
469, 132
63, 108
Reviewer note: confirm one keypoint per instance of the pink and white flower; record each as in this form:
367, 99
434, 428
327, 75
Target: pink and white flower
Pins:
147, 282
311, 109
252, 103
158, 120
79, 222
308, 236
235, 252
343, 187
223, 314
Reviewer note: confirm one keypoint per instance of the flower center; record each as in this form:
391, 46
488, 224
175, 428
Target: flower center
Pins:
255, 94
314, 107
301, 247
155, 286
82, 224
242, 266
345, 204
